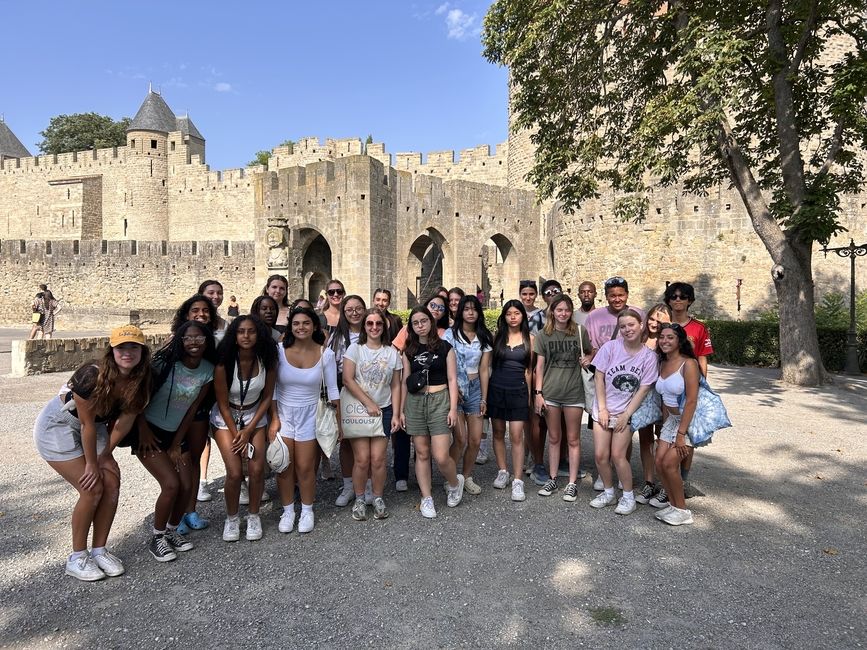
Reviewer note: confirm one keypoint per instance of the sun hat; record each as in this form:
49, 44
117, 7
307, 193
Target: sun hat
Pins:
277, 454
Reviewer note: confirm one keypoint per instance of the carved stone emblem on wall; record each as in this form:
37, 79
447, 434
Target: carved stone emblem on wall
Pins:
278, 250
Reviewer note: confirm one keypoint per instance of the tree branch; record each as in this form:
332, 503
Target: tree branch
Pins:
833, 150
805, 38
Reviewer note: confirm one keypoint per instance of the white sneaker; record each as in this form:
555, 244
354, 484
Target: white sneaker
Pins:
482, 456
287, 522
456, 493
306, 521
110, 564
659, 514
400, 486
204, 494
346, 495
232, 530
84, 568
598, 485
625, 506
518, 491
677, 516
502, 479
603, 500
254, 528
244, 498
368, 493
471, 486
265, 496
427, 508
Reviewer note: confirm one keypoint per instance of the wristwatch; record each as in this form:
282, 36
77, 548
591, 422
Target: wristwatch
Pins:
537, 392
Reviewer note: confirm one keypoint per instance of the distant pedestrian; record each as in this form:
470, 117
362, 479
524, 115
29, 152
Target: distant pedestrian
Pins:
38, 314
233, 311
48, 306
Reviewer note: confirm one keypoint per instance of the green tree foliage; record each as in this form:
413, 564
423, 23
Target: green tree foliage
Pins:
83, 131
261, 158
628, 96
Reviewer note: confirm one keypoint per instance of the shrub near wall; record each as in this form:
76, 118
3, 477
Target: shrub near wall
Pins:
754, 343
491, 316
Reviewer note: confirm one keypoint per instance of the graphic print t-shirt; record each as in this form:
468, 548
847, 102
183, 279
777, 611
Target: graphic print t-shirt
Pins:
435, 362
562, 378
374, 369
624, 372
171, 402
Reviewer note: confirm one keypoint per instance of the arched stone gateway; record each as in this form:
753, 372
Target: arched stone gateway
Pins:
427, 265
500, 273
316, 267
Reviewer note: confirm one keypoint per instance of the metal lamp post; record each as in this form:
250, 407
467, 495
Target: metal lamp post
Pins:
851, 251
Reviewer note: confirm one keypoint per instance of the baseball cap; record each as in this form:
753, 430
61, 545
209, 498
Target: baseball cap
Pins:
126, 334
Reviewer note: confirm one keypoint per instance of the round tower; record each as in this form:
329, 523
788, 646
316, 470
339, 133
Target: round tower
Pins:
145, 214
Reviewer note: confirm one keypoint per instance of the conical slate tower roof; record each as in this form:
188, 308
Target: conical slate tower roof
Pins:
154, 115
10, 145
186, 126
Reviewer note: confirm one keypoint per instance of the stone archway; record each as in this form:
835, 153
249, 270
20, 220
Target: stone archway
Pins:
425, 265
315, 263
500, 273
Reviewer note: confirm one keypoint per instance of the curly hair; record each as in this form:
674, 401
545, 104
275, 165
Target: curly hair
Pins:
182, 315
99, 380
166, 357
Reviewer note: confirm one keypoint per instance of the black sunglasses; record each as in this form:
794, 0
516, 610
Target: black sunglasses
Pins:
336, 292
672, 326
615, 281
679, 296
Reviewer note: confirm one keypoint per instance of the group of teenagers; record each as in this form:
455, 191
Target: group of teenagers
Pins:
259, 380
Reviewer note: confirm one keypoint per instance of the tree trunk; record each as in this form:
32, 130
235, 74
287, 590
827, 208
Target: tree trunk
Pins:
800, 358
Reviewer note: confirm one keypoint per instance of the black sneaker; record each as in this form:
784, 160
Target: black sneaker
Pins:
660, 500
549, 488
646, 493
178, 542
161, 549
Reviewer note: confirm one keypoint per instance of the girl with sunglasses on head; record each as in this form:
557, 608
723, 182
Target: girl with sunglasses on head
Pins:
277, 287
330, 316
244, 380
559, 389
371, 373
471, 342
304, 364
625, 371
183, 373
509, 392
349, 328
429, 413
72, 435
679, 374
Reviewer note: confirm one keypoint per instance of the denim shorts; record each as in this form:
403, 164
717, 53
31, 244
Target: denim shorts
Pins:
669, 430
471, 404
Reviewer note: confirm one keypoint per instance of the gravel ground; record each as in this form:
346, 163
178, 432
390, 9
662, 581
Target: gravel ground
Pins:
774, 560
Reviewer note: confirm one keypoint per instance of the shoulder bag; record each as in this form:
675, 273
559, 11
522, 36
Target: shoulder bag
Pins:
588, 379
710, 414
326, 417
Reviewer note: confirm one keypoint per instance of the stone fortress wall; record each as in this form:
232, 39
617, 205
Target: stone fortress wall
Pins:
140, 226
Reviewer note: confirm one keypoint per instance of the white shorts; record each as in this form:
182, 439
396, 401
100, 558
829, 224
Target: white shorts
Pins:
297, 423
218, 422
668, 433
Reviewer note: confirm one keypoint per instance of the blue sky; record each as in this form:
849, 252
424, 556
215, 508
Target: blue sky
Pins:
254, 74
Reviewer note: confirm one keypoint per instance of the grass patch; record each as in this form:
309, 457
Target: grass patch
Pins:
607, 616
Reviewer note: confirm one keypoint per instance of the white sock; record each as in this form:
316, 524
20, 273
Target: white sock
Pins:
289, 509
347, 482
369, 485
629, 496
76, 555
97, 550
159, 532
171, 527
609, 492
517, 481
306, 508
234, 517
